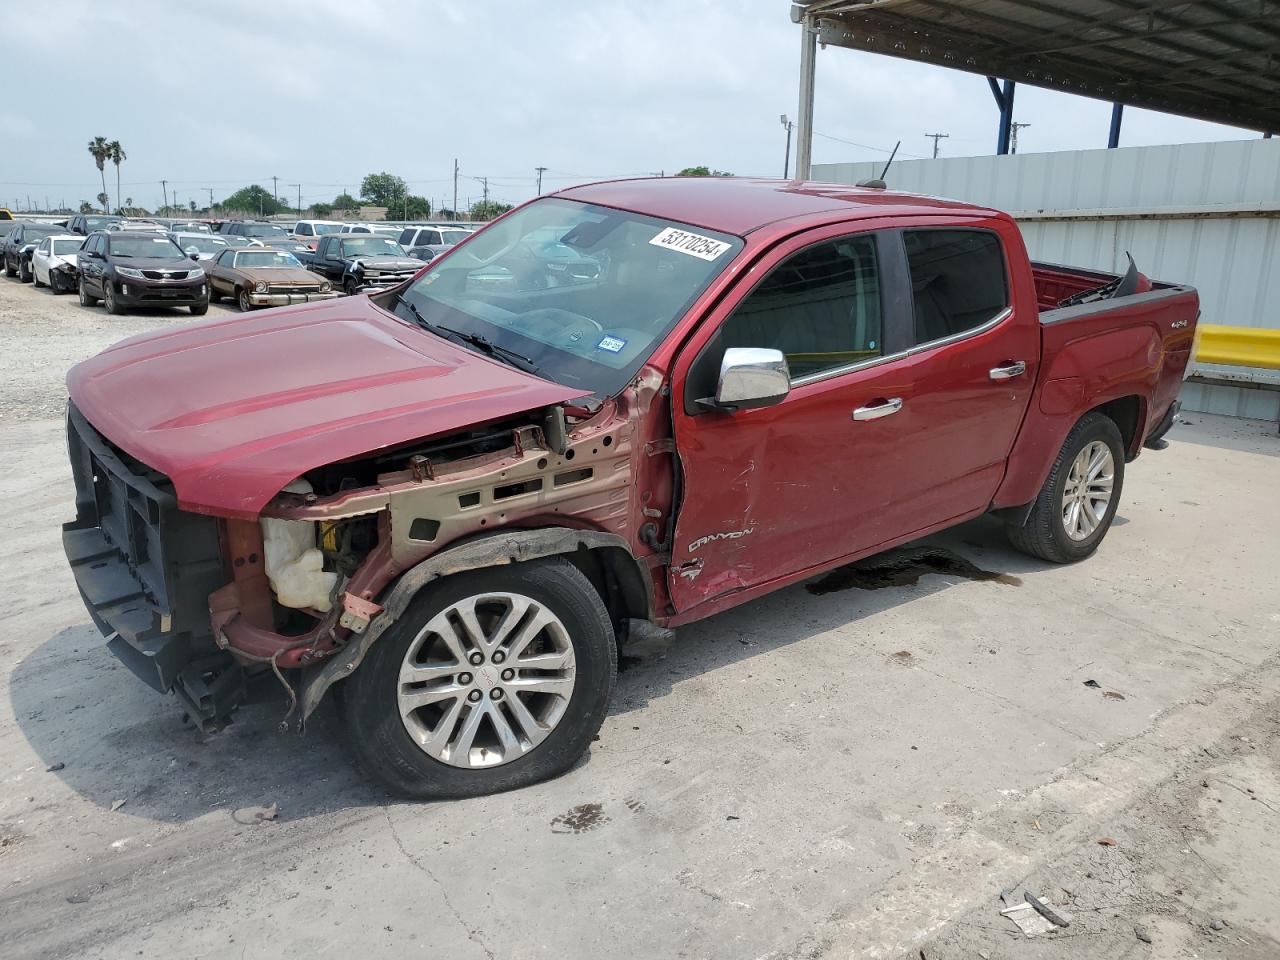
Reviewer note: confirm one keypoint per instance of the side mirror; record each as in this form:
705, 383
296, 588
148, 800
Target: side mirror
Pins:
194, 254
751, 377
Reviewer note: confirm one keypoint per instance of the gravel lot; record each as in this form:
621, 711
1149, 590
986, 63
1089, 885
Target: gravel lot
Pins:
853, 774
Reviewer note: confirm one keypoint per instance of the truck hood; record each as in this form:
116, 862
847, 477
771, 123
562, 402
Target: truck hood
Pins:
232, 410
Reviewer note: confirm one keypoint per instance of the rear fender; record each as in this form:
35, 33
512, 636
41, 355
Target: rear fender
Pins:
626, 587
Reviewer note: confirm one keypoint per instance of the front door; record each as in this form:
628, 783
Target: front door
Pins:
769, 491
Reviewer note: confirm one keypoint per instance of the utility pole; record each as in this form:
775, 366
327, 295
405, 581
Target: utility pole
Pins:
455, 188
786, 157
299, 186
485, 181
210, 189
935, 137
541, 171
1013, 139
164, 185
275, 193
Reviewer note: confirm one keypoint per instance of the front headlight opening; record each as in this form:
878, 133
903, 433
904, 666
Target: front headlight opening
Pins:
325, 288
260, 286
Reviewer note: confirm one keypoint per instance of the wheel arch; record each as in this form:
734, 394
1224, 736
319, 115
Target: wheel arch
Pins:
1128, 413
622, 581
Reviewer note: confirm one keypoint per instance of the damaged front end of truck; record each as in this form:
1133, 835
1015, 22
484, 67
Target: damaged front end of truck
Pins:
196, 603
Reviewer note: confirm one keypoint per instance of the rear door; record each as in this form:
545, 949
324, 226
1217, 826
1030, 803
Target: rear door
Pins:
974, 353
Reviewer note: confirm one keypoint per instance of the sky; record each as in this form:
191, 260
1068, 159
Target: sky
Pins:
218, 95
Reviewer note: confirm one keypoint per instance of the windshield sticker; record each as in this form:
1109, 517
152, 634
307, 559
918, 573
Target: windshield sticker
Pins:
612, 344
695, 245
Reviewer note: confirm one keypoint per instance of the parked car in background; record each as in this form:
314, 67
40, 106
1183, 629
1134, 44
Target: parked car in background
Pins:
264, 278
254, 229
20, 244
310, 231
188, 226
53, 263
382, 229
85, 223
286, 244
357, 262
481, 493
205, 246
143, 269
137, 226
431, 235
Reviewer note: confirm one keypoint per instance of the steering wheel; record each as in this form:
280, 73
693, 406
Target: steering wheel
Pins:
554, 325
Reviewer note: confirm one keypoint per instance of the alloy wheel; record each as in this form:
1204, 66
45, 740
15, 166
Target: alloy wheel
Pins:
486, 680
1087, 492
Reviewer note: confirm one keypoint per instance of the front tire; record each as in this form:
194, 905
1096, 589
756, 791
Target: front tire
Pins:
35, 278
350, 287
109, 300
242, 300
86, 298
199, 309
1078, 501
491, 680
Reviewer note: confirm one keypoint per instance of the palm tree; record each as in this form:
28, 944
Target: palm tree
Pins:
116, 154
102, 200
128, 205
100, 151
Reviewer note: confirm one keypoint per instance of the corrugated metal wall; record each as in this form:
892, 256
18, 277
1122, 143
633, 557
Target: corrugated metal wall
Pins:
1207, 214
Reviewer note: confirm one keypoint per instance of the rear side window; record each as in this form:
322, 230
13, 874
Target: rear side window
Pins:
406, 237
958, 280
303, 230
821, 308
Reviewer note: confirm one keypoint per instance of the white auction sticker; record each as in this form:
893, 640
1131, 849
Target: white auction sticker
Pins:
695, 245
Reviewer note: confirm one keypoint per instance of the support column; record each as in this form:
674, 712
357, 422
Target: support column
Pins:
1117, 116
1005, 100
804, 117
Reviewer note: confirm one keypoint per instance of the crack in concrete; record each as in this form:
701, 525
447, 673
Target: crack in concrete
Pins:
472, 934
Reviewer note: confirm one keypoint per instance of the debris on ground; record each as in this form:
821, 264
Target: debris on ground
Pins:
1106, 842
1142, 934
55, 767
249, 815
117, 804
1093, 683
1112, 695
1033, 915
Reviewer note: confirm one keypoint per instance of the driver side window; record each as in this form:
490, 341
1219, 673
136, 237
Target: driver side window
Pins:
821, 307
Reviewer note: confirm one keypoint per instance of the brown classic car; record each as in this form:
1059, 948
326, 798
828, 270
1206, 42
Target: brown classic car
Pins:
262, 277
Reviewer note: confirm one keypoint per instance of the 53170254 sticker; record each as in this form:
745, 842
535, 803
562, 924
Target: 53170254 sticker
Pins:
692, 244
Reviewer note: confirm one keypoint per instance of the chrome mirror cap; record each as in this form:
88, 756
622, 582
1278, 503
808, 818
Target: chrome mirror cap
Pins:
752, 377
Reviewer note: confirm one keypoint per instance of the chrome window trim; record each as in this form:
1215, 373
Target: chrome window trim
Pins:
903, 354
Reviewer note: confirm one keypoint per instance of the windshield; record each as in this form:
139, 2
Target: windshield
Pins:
454, 236
160, 247
266, 258
323, 228
97, 223
263, 230
585, 292
371, 247
62, 248
36, 234
201, 244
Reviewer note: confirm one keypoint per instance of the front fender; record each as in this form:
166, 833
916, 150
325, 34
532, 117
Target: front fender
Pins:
495, 550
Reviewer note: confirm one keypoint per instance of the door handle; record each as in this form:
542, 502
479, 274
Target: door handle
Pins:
882, 408
1007, 371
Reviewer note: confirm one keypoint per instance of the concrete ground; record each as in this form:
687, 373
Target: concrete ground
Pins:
852, 774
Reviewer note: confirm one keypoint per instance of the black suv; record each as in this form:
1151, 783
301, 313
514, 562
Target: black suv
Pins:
20, 243
128, 270
85, 223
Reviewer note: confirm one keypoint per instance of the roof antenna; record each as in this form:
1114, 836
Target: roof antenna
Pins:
878, 183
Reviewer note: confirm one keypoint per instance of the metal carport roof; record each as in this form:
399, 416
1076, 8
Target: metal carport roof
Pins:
1216, 60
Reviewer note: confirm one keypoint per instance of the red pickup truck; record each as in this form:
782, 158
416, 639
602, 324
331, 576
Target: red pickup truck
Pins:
615, 410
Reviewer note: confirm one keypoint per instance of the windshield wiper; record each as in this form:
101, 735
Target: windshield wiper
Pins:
486, 346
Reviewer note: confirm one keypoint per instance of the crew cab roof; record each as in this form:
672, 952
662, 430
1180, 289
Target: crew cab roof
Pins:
739, 205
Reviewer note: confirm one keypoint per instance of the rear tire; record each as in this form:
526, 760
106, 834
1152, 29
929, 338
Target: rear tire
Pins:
8, 270
1069, 517
25, 273
550, 601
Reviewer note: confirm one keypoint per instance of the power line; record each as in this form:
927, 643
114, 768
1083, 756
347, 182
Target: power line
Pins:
935, 137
